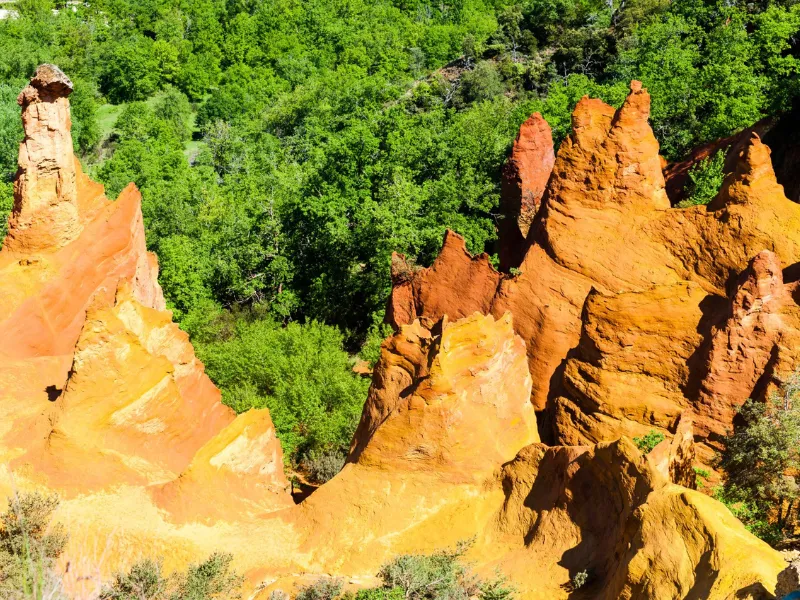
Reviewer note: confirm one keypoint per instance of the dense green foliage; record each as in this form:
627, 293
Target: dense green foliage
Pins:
211, 579
300, 372
329, 138
705, 180
760, 459
284, 149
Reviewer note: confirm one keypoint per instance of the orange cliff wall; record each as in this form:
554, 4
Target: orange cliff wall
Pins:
97, 387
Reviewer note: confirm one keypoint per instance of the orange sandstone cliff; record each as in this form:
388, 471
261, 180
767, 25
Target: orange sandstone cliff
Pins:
627, 315
635, 313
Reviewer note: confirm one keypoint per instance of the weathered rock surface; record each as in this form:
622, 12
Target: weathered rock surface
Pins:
45, 212
788, 580
99, 390
627, 306
622, 330
632, 538
524, 181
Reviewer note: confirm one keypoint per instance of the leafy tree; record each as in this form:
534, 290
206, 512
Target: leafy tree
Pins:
130, 70
174, 109
83, 108
300, 372
11, 133
761, 454
482, 83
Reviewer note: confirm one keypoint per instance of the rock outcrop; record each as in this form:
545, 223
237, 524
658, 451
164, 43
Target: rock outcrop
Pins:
620, 321
632, 538
525, 177
626, 305
45, 215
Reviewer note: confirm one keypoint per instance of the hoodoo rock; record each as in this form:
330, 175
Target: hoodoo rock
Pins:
620, 321
45, 212
525, 177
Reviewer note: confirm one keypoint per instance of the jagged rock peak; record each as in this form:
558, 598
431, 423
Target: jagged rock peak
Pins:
45, 215
525, 177
753, 179
526, 173
611, 158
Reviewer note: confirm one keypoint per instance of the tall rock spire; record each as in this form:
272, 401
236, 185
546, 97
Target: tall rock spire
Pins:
45, 212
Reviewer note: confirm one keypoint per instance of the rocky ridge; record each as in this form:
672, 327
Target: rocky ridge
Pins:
103, 400
633, 312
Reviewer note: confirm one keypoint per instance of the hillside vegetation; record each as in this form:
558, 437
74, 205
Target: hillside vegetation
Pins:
284, 149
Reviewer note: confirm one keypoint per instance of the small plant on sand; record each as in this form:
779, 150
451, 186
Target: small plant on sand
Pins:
324, 588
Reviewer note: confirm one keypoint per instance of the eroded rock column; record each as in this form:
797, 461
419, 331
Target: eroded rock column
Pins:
45, 214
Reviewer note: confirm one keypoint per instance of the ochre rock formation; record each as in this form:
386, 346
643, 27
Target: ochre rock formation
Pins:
45, 192
628, 307
99, 389
639, 536
626, 328
524, 180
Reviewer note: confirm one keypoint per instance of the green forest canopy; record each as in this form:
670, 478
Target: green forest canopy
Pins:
285, 148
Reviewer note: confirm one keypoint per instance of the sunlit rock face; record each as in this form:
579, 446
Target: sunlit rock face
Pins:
525, 177
626, 316
630, 309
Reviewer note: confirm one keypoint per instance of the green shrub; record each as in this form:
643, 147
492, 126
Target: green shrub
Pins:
646, 443
758, 459
323, 466
381, 594
29, 547
438, 576
754, 517
580, 579
324, 588
705, 179
211, 579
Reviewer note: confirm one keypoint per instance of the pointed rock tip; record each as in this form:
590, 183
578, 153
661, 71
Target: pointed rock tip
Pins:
591, 120
753, 170
454, 240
